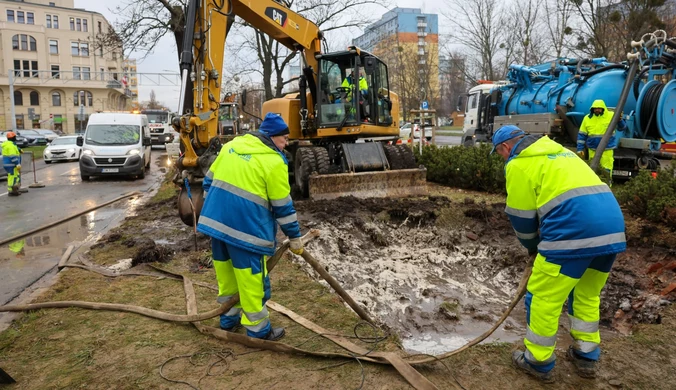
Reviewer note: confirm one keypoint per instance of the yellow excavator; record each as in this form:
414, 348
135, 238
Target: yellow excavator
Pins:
340, 120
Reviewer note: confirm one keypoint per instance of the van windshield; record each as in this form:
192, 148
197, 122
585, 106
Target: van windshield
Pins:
113, 134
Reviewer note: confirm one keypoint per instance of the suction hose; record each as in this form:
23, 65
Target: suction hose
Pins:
616, 116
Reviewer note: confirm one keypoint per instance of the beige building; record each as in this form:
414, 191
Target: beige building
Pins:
60, 63
129, 69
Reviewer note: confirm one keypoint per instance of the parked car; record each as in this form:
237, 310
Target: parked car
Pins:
405, 131
49, 134
21, 142
34, 138
62, 149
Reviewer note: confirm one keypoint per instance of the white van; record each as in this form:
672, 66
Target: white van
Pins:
115, 144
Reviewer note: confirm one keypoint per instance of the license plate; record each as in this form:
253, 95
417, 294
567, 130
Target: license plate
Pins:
110, 170
621, 173
59, 156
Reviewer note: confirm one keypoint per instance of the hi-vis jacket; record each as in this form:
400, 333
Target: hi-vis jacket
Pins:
594, 126
558, 206
11, 156
247, 195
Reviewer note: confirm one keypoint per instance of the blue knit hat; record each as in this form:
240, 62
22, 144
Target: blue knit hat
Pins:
273, 125
504, 134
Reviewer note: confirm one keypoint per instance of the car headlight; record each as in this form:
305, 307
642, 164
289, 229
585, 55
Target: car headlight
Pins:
71, 150
88, 152
134, 152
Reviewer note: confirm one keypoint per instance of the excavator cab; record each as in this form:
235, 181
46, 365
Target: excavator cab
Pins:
353, 90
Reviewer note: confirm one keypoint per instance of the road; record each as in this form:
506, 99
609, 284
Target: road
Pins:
27, 260
446, 140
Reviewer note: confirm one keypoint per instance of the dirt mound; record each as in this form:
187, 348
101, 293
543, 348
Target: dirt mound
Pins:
147, 251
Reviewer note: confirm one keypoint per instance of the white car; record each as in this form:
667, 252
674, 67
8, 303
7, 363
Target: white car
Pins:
405, 131
62, 149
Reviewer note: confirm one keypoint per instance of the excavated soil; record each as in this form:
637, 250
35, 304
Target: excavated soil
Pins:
440, 272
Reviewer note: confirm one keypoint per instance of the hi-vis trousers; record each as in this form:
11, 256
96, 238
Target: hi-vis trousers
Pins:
551, 283
243, 272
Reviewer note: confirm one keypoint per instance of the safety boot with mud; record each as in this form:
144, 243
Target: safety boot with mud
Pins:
13, 193
275, 334
586, 368
520, 362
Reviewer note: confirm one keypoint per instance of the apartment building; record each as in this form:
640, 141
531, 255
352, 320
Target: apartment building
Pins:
64, 63
130, 79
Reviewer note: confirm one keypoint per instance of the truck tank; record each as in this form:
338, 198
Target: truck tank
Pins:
553, 98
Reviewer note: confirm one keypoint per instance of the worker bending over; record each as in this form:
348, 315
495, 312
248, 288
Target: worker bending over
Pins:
563, 213
11, 162
246, 195
593, 128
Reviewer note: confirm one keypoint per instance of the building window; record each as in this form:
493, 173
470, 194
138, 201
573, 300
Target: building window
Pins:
114, 54
19, 121
84, 98
103, 73
55, 20
53, 46
84, 25
56, 72
15, 42
52, 4
72, 24
24, 42
99, 24
25, 67
79, 49
90, 99
84, 49
30, 18
76, 73
20, 17
10, 16
18, 98
56, 99
78, 24
34, 68
86, 75
35, 98
17, 68
101, 51
49, 21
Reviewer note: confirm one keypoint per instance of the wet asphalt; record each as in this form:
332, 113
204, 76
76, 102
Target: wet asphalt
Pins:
25, 261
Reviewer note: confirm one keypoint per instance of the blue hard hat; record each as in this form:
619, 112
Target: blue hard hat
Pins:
504, 134
273, 125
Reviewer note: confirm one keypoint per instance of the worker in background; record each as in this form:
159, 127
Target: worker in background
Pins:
349, 81
247, 194
593, 128
11, 162
570, 220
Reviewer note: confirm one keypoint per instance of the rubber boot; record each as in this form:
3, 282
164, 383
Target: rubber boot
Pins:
275, 334
234, 329
585, 368
520, 362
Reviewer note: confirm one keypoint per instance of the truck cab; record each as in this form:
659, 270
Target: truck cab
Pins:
474, 114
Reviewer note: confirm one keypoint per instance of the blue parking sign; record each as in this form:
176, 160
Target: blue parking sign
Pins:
425, 105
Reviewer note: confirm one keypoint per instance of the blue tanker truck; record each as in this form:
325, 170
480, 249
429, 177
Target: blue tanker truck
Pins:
553, 98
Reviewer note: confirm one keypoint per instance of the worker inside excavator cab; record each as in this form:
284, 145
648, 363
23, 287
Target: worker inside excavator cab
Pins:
338, 85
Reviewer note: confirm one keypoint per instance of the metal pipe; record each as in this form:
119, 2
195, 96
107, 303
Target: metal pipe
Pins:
184, 84
11, 98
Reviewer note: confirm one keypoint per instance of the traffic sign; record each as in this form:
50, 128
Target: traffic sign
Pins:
425, 105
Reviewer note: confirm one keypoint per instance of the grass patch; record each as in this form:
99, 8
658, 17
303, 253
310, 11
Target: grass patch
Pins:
37, 151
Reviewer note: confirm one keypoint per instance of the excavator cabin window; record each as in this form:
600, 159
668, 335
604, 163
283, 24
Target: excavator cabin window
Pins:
350, 94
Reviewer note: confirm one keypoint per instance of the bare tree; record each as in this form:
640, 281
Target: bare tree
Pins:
153, 104
478, 25
558, 15
527, 31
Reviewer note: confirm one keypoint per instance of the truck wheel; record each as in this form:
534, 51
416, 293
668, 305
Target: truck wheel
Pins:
304, 164
142, 175
147, 167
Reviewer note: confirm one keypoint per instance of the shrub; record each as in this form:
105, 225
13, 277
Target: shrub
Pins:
650, 198
469, 168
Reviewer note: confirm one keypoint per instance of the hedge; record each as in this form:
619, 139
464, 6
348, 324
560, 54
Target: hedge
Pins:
651, 198
469, 168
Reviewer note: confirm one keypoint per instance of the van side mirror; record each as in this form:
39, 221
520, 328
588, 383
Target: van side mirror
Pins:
79, 141
244, 98
147, 141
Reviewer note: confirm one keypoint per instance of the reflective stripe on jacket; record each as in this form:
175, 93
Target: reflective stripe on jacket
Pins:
11, 156
558, 205
593, 128
247, 194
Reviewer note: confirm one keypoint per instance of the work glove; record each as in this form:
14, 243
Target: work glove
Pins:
581, 154
296, 246
18, 167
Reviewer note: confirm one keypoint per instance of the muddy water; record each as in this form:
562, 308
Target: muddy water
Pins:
435, 296
25, 261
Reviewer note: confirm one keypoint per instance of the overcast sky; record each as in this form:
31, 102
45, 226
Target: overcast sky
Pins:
164, 59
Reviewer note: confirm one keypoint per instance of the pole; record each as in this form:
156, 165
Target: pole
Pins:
11, 97
35, 184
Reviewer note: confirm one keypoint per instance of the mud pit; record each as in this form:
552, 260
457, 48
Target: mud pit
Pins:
440, 273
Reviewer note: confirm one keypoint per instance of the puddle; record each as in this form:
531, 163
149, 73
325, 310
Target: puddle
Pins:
25, 261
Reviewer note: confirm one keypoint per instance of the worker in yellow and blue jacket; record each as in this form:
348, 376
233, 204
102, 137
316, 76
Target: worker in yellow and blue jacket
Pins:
593, 128
11, 162
247, 194
566, 216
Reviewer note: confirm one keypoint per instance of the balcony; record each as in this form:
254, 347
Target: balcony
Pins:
422, 34
422, 25
422, 62
65, 79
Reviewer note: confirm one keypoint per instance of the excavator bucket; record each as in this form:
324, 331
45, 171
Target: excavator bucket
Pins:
378, 184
